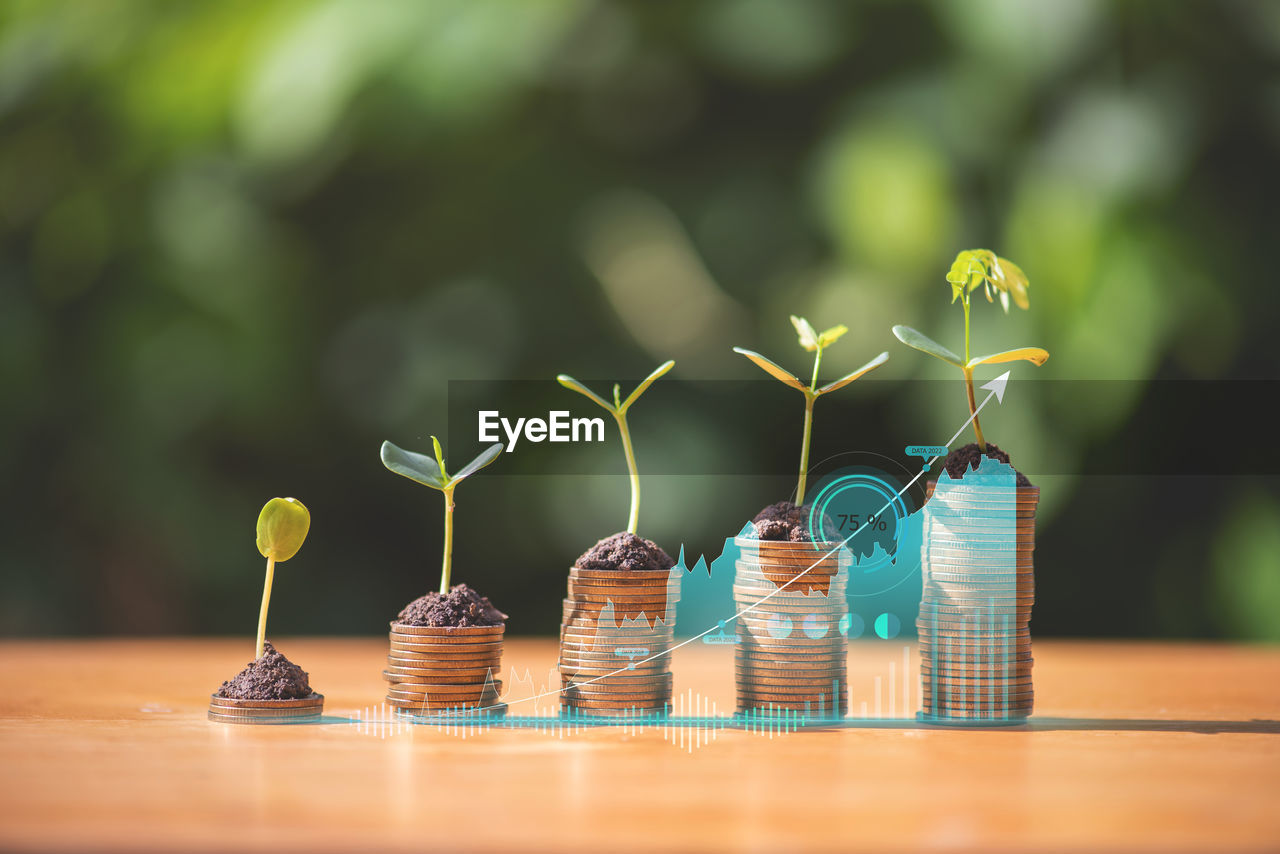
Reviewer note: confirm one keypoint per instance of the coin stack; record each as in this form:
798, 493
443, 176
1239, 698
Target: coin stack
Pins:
443, 669
613, 621
229, 711
975, 612
791, 649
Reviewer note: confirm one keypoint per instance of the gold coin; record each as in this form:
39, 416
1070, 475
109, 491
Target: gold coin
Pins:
441, 633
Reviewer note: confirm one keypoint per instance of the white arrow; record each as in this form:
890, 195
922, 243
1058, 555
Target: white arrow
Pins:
997, 391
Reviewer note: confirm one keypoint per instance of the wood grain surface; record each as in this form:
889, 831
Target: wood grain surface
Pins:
1149, 747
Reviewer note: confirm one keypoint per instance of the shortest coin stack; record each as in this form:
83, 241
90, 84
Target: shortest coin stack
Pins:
613, 620
442, 669
229, 711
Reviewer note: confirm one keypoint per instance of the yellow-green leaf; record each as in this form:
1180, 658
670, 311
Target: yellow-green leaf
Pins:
1034, 355
925, 344
772, 369
435, 443
648, 381
830, 336
282, 527
848, 378
570, 383
808, 338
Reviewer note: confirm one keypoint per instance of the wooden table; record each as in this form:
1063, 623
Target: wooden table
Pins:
1155, 747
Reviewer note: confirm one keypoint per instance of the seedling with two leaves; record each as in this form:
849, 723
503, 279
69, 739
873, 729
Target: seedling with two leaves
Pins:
816, 343
618, 409
431, 472
999, 278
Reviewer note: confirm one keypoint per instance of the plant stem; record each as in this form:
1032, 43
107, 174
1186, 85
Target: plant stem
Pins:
968, 379
447, 567
804, 449
809, 398
266, 600
633, 520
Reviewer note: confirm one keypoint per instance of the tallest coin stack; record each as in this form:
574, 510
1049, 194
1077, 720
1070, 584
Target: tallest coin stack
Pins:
979, 586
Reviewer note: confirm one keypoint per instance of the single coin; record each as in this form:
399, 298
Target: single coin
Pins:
427, 707
449, 669
623, 579
442, 653
753, 690
753, 682
299, 703
790, 660
995, 655
406, 643
957, 701
624, 650
591, 694
945, 695
461, 680
260, 720
650, 701
437, 659
650, 705
638, 713
440, 632
593, 629
615, 676
636, 575
226, 711
441, 698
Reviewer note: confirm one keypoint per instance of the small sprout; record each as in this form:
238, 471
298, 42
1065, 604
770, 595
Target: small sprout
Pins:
431, 472
282, 528
815, 342
618, 409
999, 278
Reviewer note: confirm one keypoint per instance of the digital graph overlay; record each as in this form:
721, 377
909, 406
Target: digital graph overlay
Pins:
627, 636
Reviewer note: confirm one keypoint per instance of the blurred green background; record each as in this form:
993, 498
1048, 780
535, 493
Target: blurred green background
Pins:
245, 242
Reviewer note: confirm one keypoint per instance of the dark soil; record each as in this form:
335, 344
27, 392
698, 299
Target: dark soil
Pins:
461, 606
963, 459
271, 677
625, 552
786, 521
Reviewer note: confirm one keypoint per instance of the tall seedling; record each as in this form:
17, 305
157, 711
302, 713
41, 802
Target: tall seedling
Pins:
998, 277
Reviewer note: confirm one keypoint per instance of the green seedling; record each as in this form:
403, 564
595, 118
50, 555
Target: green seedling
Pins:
619, 412
814, 342
998, 277
422, 469
282, 527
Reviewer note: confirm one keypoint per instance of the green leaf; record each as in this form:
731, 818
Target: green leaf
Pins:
848, 378
1034, 355
830, 336
772, 369
416, 467
487, 456
925, 344
282, 528
808, 338
648, 381
1015, 282
570, 383
435, 443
